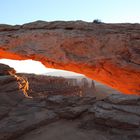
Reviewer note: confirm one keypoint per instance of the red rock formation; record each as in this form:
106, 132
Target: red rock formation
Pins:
109, 53
10, 82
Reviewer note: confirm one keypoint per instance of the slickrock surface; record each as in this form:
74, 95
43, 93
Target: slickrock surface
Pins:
107, 119
108, 53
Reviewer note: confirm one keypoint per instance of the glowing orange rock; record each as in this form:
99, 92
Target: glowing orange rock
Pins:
109, 53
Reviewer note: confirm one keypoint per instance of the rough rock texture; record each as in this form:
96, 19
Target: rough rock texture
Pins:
11, 84
111, 120
6, 70
109, 53
118, 111
117, 117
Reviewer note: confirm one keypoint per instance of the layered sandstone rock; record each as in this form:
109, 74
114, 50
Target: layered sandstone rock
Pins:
116, 117
10, 83
6, 70
108, 53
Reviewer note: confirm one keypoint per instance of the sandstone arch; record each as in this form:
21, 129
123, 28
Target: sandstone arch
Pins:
109, 53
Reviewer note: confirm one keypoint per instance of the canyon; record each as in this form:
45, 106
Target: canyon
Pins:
25, 114
108, 53
43, 85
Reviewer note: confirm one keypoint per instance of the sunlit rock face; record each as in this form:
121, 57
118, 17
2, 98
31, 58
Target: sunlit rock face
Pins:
109, 53
11, 85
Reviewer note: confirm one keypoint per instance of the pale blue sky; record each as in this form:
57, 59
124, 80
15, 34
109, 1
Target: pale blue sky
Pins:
23, 11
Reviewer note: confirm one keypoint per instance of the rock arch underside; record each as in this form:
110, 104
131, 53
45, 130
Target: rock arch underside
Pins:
108, 53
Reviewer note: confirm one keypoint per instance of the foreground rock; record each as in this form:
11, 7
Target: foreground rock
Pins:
108, 53
30, 114
115, 118
6, 70
11, 82
118, 111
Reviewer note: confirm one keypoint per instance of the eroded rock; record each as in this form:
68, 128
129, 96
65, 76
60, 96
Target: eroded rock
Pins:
6, 70
120, 113
108, 53
108, 119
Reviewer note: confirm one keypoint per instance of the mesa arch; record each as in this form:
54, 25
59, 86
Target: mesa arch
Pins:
108, 53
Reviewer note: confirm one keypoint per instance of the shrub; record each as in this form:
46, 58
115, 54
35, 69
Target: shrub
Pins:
97, 21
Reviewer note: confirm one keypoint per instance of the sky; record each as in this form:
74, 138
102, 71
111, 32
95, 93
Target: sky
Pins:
30, 66
23, 11
108, 11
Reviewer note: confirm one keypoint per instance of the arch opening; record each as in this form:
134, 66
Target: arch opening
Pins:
34, 69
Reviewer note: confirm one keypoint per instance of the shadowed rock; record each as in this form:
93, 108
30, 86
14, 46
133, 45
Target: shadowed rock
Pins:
108, 119
6, 70
10, 83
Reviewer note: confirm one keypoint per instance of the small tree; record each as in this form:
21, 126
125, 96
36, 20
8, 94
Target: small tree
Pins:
97, 21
